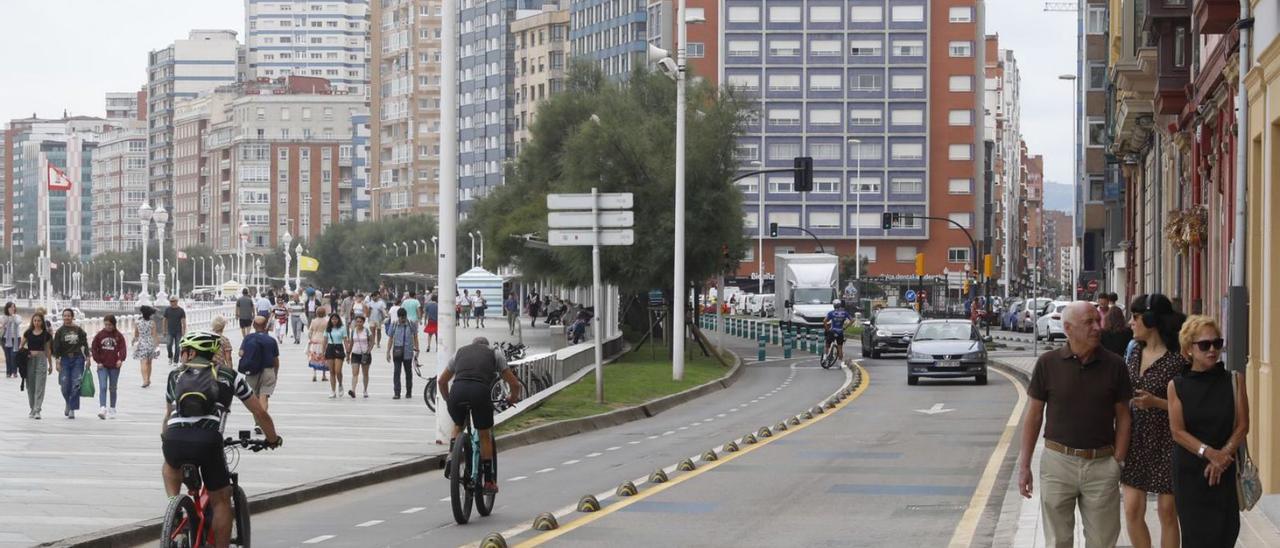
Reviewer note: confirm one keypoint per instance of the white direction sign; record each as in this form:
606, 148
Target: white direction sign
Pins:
623, 236
583, 219
610, 200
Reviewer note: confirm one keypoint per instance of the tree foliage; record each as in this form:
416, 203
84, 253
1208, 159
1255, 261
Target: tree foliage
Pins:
630, 149
352, 255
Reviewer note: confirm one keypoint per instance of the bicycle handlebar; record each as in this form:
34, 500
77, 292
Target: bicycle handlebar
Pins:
254, 445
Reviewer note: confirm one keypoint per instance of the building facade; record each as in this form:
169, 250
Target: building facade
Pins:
318, 38
68, 144
360, 131
612, 34
119, 177
127, 105
1003, 126
541, 46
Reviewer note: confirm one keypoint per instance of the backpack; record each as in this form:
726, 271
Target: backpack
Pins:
196, 389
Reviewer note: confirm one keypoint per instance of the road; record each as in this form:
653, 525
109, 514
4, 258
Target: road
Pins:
876, 470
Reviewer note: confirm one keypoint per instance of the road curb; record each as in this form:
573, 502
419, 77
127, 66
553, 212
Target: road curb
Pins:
1022, 375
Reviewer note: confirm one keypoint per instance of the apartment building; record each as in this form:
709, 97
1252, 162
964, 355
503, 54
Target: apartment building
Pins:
127, 105
611, 33
119, 178
1003, 125
69, 144
319, 38
540, 38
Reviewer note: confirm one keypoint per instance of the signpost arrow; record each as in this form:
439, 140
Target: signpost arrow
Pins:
616, 236
612, 200
584, 219
936, 409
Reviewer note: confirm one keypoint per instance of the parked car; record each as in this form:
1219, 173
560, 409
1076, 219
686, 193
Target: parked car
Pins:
1033, 310
1049, 325
1008, 321
946, 349
889, 329
758, 305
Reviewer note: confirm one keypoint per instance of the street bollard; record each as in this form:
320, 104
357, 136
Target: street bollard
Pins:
760, 347
787, 341
733, 327
773, 334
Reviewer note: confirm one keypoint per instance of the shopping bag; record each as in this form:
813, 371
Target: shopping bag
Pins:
86, 383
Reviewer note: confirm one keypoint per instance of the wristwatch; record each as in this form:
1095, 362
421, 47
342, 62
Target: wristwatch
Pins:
1202, 449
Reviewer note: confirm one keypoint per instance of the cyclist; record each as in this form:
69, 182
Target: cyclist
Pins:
833, 325
192, 432
473, 370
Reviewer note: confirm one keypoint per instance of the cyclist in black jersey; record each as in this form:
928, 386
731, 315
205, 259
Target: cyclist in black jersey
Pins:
833, 326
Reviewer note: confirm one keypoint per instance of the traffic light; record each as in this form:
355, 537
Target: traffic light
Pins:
773, 230
966, 286
986, 266
886, 220
919, 264
804, 174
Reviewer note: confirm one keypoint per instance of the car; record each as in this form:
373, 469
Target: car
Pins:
1049, 325
758, 305
889, 329
1014, 311
1034, 309
946, 349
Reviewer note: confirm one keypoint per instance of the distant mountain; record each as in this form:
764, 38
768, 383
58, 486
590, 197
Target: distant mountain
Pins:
1058, 196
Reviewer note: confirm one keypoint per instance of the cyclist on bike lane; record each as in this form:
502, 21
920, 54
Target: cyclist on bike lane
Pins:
193, 421
833, 325
474, 369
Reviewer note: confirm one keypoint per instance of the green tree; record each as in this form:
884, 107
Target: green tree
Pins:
353, 255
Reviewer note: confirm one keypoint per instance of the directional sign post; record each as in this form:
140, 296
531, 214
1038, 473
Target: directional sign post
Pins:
593, 219
911, 295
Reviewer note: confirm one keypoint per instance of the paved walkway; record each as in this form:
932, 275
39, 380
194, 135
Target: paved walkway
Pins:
1021, 526
60, 477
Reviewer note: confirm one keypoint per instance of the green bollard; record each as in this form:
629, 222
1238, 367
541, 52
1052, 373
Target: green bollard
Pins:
760, 346
787, 341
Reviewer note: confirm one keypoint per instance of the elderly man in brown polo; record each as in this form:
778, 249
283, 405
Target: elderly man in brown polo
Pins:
1081, 393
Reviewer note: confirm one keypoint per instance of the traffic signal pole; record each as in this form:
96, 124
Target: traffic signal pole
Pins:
887, 221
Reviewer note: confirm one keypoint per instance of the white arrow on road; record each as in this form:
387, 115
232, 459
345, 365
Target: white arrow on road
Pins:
937, 408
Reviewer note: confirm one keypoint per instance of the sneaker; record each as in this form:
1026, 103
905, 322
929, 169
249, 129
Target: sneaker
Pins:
351, 393
366, 395
395, 397
31, 414
71, 414
490, 487
111, 413
333, 396
37, 417
102, 414
66, 410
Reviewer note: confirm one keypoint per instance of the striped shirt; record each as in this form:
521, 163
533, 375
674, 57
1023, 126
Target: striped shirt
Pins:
233, 383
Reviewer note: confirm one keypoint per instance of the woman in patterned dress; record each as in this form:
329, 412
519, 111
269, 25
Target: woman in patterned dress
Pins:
1149, 466
144, 342
315, 344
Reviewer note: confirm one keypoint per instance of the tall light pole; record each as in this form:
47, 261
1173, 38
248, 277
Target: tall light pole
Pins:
678, 278
144, 216
1075, 177
448, 217
857, 226
480, 236
257, 272
244, 242
160, 216
473, 248
435, 246
286, 239
297, 274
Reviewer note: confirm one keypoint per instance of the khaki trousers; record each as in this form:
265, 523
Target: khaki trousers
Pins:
1093, 485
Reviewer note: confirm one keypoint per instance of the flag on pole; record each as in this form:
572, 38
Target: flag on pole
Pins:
182, 256
57, 179
309, 264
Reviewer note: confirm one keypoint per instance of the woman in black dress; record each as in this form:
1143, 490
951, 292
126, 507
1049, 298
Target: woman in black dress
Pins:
1209, 423
1147, 469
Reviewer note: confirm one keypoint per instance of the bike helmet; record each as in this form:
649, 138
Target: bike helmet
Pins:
201, 341
837, 303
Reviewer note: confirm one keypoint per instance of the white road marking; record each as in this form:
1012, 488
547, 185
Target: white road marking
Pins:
614, 448
568, 462
653, 437
518, 478
318, 540
708, 419
668, 432
413, 510
445, 499
545, 470
734, 410
594, 455
369, 523
633, 442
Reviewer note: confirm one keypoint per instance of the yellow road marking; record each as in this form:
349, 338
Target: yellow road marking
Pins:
726, 457
968, 526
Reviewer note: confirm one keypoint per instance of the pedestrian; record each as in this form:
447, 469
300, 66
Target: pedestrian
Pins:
412, 307
109, 351
345, 306
315, 344
464, 308
71, 349
262, 305
359, 308
1105, 304
1116, 334
335, 336
223, 357
260, 361
280, 320
144, 342
391, 314
1081, 394
360, 354
377, 314
244, 311
478, 305
38, 343
433, 322
1209, 417
402, 337
311, 304
1148, 468
535, 304
11, 335
175, 322
511, 308
296, 314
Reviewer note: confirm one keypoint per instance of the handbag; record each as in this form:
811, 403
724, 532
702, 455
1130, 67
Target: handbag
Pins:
1248, 482
86, 382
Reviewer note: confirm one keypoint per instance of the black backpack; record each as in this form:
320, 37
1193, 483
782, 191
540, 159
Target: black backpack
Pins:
196, 389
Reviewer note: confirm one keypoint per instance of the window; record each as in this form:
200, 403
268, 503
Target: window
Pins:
748, 186
906, 185
306, 113
868, 254
785, 219
1097, 76
864, 185
866, 82
784, 82
750, 220
692, 13
908, 82
748, 82
784, 47
865, 48
908, 48
961, 49
824, 117
784, 151
960, 83
744, 14
958, 255
824, 14
824, 151
784, 14
1180, 46
960, 152
865, 220
865, 117
747, 152
697, 50
824, 48
866, 151
905, 254
826, 185
823, 219
907, 14
906, 117
824, 82
866, 14
284, 113
1096, 20
960, 117
960, 186
964, 219
744, 48
1097, 132
784, 116
961, 14
907, 151
781, 183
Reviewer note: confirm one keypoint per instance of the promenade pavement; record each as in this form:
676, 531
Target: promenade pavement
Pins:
1021, 524
60, 477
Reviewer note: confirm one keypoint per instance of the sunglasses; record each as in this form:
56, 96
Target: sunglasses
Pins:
1204, 346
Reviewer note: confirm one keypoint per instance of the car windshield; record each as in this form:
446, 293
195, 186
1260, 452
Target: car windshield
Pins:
944, 332
898, 316
814, 295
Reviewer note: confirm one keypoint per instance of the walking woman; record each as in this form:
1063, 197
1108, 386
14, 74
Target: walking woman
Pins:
1210, 419
11, 335
335, 336
144, 342
315, 344
70, 349
1116, 333
433, 323
360, 354
1148, 468
109, 351
39, 343
223, 357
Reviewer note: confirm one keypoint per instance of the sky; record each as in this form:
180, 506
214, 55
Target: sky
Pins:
66, 54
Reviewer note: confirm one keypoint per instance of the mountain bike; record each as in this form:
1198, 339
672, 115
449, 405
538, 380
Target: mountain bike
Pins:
830, 358
188, 520
466, 482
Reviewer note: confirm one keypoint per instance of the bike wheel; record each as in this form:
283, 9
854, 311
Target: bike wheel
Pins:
240, 532
429, 395
484, 501
179, 529
460, 475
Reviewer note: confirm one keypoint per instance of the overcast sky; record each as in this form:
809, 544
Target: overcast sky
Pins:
65, 54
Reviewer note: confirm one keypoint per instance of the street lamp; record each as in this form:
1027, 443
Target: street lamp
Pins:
480, 235
416, 251
160, 216
384, 249
435, 246
473, 248
244, 242
1075, 177
406, 248
144, 215
286, 239
297, 274
857, 226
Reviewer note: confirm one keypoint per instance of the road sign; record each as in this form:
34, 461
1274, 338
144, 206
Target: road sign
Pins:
911, 295
612, 200
617, 236
1093, 285
583, 219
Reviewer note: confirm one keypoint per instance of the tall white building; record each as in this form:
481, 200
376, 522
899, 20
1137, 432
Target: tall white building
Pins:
119, 178
320, 38
126, 105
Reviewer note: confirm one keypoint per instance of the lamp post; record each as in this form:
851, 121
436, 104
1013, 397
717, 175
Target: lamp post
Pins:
424, 245
144, 216
160, 216
297, 276
1075, 178
435, 246
244, 242
480, 236
406, 248
257, 273
678, 277
473, 248
857, 227
286, 239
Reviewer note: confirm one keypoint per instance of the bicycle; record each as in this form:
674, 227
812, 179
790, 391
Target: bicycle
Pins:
465, 480
188, 519
830, 358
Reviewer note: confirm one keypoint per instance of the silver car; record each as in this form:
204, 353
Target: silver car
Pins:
946, 349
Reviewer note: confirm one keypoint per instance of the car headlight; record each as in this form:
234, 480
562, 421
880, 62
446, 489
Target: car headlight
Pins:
978, 355
884, 333
919, 357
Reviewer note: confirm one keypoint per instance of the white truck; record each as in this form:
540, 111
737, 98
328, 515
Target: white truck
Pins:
805, 285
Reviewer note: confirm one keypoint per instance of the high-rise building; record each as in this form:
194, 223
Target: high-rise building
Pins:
883, 96
68, 144
1092, 217
119, 186
127, 105
540, 38
359, 158
1003, 126
320, 38
612, 34
1057, 246
404, 140
192, 191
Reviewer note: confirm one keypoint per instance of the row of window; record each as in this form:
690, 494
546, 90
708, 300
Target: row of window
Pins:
867, 151
864, 183
826, 14
861, 116
859, 46
858, 82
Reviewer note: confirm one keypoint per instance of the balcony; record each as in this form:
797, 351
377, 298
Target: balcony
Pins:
1216, 16
1170, 28
224, 163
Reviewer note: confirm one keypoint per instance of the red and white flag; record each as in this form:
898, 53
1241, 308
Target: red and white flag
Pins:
182, 256
58, 180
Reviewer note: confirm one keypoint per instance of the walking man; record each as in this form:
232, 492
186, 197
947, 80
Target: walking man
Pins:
244, 311
260, 361
511, 307
1081, 394
175, 322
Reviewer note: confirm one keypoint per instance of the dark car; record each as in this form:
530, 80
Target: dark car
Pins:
889, 330
946, 349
